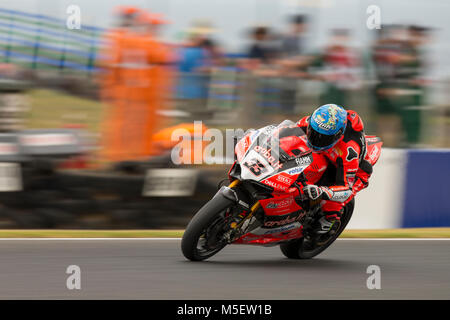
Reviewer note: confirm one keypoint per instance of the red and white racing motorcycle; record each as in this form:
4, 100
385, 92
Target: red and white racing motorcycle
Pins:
264, 203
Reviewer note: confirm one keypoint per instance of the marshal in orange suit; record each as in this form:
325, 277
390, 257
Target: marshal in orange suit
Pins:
136, 85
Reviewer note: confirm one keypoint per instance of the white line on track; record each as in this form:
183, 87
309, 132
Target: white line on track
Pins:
86, 239
171, 239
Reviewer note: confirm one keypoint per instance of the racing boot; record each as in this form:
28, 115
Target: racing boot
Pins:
328, 222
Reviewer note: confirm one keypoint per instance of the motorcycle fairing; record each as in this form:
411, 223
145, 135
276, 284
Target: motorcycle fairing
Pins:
373, 149
264, 153
267, 236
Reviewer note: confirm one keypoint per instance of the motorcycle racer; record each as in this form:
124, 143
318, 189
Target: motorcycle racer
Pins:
337, 134
271, 181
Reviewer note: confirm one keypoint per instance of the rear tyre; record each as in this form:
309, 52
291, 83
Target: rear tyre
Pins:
302, 249
202, 237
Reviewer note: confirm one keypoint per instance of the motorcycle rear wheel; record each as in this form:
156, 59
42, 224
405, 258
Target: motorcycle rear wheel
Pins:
297, 249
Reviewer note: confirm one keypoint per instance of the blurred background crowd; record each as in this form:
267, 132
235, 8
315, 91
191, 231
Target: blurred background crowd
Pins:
133, 82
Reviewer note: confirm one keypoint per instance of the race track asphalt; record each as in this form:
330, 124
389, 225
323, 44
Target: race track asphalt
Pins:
156, 269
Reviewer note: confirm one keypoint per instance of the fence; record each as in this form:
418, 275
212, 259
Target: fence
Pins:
229, 94
43, 42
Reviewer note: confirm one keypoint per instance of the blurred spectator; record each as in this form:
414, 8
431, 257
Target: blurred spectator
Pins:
340, 66
291, 54
411, 114
214, 55
387, 46
261, 62
397, 94
155, 22
293, 42
262, 50
134, 84
160, 57
192, 59
111, 83
195, 59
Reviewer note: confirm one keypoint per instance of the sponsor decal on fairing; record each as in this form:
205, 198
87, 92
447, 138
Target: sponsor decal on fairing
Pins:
267, 153
262, 230
284, 180
296, 170
303, 161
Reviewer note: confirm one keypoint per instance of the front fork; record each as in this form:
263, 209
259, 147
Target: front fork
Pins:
236, 225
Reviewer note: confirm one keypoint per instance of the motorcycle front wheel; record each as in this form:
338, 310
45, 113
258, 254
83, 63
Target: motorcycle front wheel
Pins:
203, 236
303, 249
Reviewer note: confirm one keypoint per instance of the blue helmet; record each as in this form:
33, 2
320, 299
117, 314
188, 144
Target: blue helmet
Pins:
326, 126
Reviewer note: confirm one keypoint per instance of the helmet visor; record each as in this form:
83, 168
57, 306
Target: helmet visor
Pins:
320, 141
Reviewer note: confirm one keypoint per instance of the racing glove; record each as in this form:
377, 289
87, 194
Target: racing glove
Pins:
314, 192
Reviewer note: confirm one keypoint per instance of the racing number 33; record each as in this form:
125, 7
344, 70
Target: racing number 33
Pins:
255, 167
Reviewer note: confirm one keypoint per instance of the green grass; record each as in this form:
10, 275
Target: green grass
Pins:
388, 233
53, 109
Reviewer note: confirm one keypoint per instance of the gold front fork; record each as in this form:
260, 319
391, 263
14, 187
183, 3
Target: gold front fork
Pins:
253, 209
234, 183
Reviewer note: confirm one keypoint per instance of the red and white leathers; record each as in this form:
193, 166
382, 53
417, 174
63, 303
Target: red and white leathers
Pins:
352, 172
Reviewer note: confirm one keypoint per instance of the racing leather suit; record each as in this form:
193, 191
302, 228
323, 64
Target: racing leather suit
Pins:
348, 171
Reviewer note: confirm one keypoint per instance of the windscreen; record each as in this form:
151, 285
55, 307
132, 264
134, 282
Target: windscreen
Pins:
277, 139
270, 151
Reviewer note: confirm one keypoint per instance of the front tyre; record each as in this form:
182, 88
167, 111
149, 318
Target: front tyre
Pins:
302, 249
203, 235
